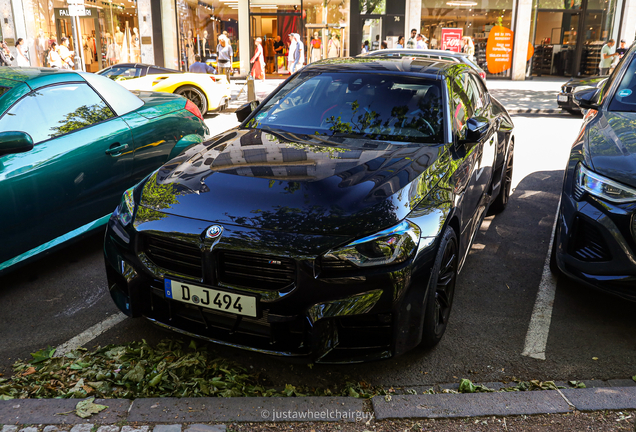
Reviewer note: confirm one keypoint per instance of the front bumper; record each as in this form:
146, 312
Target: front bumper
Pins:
327, 315
596, 242
564, 101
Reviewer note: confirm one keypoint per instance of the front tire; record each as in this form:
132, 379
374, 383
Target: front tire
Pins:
500, 203
196, 96
441, 290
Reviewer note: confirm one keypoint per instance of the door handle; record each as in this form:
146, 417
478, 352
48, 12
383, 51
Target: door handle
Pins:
116, 149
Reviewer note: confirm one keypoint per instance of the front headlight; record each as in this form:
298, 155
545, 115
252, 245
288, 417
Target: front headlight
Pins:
390, 246
126, 207
602, 187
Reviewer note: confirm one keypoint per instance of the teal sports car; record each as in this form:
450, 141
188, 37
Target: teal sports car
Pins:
70, 144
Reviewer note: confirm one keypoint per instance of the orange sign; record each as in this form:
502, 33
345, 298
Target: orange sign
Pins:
499, 50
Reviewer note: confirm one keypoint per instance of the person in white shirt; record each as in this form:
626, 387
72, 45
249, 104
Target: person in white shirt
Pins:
420, 42
66, 54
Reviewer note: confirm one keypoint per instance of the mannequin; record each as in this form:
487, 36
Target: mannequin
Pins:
119, 36
88, 52
205, 46
333, 47
190, 48
315, 49
40, 48
136, 50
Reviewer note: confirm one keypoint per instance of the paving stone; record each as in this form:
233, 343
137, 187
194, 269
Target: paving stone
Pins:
29, 429
110, 428
206, 428
602, 398
595, 383
193, 410
50, 428
167, 428
9, 429
449, 386
47, 411
85, 427
134, 429
469, 405
621, 383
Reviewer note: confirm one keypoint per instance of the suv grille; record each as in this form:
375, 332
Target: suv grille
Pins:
256, 271
174, 255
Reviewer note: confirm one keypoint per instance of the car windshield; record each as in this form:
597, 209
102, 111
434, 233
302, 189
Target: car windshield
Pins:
625, 97
374, 106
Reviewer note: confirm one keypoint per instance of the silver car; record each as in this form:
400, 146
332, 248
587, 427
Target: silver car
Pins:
427, 53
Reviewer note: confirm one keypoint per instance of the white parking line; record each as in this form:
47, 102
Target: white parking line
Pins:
539, 328
89, 334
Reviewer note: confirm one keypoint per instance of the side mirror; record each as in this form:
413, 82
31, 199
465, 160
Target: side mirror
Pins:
476, 128
15, 142
245, 110
587, 99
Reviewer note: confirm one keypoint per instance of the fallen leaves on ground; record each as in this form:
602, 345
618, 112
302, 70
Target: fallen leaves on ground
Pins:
137, 370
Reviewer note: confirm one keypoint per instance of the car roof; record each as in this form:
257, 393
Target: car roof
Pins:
142, 65
432, 68
415, 52
36, 77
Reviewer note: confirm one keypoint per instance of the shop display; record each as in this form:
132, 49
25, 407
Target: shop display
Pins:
542, 61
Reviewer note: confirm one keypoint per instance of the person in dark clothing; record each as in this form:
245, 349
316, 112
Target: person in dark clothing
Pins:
279, 49
622, 50
199, 67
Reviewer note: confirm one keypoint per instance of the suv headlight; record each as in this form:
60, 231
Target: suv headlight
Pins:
126, 207
603, 187
390, 246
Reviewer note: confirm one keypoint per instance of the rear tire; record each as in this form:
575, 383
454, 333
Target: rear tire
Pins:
500, 203
196, 96
441, 290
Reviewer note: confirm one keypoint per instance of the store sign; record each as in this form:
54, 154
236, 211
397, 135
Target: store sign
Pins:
499, 50
65, 13
452, 39
146, 40
76, 10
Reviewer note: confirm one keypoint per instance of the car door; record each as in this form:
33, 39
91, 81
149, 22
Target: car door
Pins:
468, 178
75, 173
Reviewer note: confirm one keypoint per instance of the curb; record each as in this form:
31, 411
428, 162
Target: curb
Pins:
295, 409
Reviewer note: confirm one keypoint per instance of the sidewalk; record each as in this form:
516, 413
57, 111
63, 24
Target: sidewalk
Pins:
536, 96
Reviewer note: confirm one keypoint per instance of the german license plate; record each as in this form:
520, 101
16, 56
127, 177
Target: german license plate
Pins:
562, 98
238, 304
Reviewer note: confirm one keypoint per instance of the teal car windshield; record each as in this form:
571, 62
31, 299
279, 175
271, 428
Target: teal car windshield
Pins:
375, 106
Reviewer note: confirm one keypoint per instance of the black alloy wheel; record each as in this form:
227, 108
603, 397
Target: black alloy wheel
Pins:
196, 96
500, 203
441, 290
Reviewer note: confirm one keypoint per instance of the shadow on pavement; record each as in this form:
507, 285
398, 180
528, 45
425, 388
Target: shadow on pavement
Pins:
526, 99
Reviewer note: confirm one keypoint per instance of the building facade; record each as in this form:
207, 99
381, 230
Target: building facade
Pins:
511, 38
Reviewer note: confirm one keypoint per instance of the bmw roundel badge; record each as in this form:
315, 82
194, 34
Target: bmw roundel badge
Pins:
214, 231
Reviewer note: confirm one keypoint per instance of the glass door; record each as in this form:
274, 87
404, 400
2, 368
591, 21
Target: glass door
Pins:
371, 34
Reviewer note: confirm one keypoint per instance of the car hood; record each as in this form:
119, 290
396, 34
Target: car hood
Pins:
611, 146
157, 104
302, 184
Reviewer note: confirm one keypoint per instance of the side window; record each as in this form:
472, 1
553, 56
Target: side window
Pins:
161, 71
122, 73
56, 110
463, 106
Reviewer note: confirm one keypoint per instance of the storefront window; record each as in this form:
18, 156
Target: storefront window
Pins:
108, 33
474, 19
326, 29
567, 41
200, 23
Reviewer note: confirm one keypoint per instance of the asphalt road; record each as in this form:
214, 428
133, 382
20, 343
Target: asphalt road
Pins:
56, 298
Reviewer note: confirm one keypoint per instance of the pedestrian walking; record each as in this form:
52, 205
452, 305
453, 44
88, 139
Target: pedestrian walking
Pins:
23, 59
224, 55
258, 70
53, 58
66, 54
294, 53
607, 54
412, 40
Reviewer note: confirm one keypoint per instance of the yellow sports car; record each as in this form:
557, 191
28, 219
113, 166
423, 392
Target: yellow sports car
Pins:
207, 92
236, 65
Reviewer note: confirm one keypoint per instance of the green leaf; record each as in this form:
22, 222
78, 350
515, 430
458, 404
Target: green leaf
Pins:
466, 386
634, 378
42, 355
353, 393
156, 380
136, 374
87, 408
